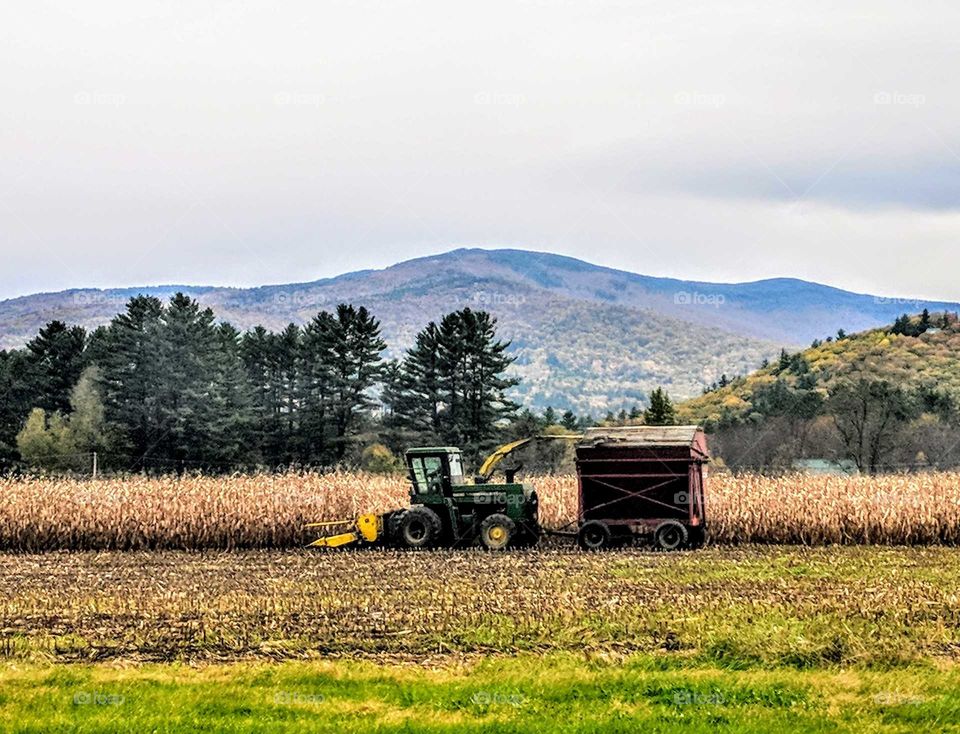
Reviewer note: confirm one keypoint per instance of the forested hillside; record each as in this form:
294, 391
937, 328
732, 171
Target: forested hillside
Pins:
885, 398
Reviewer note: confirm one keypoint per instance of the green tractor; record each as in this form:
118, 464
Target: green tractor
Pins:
448, 511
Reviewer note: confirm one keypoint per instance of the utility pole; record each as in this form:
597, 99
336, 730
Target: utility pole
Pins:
94, 464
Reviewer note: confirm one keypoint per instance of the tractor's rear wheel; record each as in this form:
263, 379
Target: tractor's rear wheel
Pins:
594, 535
420, 527
496, 531
670, 536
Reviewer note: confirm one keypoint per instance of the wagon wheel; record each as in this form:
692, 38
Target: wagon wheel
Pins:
671, 535
594, 535
496, 531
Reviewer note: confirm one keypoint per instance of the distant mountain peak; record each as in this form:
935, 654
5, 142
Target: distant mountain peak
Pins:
585, 336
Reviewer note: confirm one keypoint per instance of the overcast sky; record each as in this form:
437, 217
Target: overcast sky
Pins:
243, 143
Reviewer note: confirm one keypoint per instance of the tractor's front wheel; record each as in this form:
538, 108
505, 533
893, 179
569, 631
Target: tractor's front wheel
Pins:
496, 531
420, 527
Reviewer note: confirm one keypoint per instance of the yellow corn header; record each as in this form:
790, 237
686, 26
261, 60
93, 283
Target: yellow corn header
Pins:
364, 529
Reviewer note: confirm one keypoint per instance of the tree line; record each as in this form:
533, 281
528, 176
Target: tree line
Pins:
164, 387
873, 423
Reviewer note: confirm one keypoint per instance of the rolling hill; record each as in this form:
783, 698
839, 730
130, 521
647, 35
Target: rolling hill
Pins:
929, 362
586, 337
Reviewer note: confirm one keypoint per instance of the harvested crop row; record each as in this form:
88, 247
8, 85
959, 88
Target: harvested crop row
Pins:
269, 511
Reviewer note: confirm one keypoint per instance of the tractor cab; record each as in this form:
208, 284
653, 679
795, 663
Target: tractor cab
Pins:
434, 470
446, 509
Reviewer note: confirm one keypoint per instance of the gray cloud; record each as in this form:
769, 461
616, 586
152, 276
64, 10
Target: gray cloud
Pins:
248, 143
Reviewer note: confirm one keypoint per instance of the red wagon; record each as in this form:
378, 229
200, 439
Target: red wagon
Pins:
642, 481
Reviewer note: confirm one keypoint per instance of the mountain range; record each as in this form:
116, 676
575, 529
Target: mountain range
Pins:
585, 337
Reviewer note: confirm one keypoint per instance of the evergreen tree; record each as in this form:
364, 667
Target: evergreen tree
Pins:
452, 383
257, 353
232, 403
784, 362
569, 420
549, 416
351, 347
415, 398
129, 355
16, 397
55, 361
661, 411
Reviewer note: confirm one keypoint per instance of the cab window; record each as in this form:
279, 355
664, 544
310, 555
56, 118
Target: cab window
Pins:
419, 476
433, 468
456, 469
428, 474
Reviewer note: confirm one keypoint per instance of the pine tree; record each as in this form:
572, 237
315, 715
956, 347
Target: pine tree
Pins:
351, 347
415, 398
257, 355
569, 420
55, 362
661, 411
453, 383
129, 356
784, 362
232, 405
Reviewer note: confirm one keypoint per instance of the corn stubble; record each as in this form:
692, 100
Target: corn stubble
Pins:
269, 511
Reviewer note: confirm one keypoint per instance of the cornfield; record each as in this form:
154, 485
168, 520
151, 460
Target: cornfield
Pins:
269, 511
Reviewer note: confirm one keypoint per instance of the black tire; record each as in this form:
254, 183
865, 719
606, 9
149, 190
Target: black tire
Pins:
670, 536
420, 527
594, 536
394, 527
497, 531
698, 537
